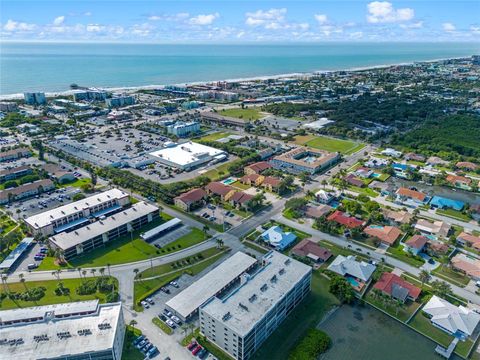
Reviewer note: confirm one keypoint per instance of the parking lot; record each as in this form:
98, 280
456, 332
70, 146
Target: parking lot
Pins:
218, 215
171, 236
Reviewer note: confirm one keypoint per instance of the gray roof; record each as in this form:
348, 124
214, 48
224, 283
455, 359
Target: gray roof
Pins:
16, 253
67, 240
190, 299
157, 230
349, 266
249, 303
56, 347
399, 292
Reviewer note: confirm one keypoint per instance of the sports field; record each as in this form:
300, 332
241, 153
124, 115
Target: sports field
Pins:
345, 147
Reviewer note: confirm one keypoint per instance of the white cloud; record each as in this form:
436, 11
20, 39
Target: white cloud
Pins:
169, 17
265, 17
15, 26
384, 12
475, 29
154, 18
204, 19
448, 27
88, 13
58, 20
356, 35
95, 28
321, 18
415, 25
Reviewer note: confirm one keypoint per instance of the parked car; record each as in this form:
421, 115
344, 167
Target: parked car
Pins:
162, 317
202, 354
152, 352
165, 290
166, 312
150, 301
192, 345
175, 319
138, 339
171, 323
196, 350
174, 284
145, 304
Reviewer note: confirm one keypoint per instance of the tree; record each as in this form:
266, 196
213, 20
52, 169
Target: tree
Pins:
132, 323
206, 228
441, 288
102, 271
342, 289
424, 277
22, 280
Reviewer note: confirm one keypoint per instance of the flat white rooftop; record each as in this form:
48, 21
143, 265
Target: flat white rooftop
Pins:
66, 240
249, 303
187, 153
97, 340
38, 221
16, 253
190, 299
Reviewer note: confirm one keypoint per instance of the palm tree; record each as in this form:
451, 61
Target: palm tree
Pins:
205, 229
84, 273
102, 271
22, 280
136, 271
133, 322
4, 282
93, 271
424, 277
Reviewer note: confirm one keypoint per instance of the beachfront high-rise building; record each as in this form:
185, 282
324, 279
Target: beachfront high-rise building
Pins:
119, 101
241, 319
93, 95
37, 98
182, 129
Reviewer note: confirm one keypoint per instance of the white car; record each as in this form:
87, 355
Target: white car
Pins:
150, 301
145, 304
175, 319
170, 323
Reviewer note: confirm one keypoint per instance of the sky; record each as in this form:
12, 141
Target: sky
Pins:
238, 21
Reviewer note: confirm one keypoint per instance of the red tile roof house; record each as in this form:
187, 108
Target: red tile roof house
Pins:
345, 220
219, 189
250, 179
256, 168
191, 199
386, 234
239, 199
414, 157
312, 250
404, 194
397, 288
353, 180
469, 240
436, 248
415, 244
466, 165
461, 182
271, 183
316, 212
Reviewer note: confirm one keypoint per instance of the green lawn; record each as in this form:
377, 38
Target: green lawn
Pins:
306, 315
50, 296
129, 351
398, 253
331, 144
454, 214
252, 113
241, 186
451, 275
403, 313
164, 327
219, 172
256, 247
214, 136
365, 191
382, 177
77, 183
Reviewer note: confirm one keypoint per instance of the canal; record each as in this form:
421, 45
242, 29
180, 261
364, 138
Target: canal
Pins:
360, 332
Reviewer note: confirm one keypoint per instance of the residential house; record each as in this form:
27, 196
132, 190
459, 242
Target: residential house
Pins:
466, 165
324, 197
469, 240
397, 288
278, 238
311, 250
357, 273
191, 199
402, 170
218, 189
353, 180
316, 212
27, 190
376, 163
256, 168
435, 160
460, 182
386, 234
411, 197
437, 228
416, 244
414, 157
392, 153
271, 183
363, 172
252, 179
239, 199
439, 202
454, 320
468, 265
397, 217
345, 220
436, 248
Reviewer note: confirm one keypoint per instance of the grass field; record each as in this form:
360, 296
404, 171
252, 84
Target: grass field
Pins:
345, 147
50, 296
365, 190
306, 315
251, 113
214, 136
77, 183
219, 172
451, 275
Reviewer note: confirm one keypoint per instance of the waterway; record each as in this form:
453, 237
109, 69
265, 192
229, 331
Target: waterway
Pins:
360, 332
457, 194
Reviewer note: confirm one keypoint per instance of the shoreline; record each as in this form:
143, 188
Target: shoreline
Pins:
18, 96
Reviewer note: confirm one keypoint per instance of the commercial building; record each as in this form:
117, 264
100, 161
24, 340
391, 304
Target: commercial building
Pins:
304, 159
96, 234
186, 303
189, 155
182, 129
35, 98
25, 191
75, 214
120, 101
83, 330
240, 320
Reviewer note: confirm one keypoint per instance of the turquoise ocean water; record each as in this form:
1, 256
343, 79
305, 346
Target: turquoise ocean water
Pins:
54, 66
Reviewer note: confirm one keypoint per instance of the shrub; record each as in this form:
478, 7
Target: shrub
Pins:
88, 287
311, 346
33, 294
112, 297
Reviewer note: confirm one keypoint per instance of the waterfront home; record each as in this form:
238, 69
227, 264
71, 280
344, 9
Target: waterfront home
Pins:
440, 202
391, 152
468, 265
415, 244
345, 219
466, 165
437, 228
460, 182
316, 212
458, 321
469, 240
386, 234
357, 273
256, 168
311, 250
397, 217
278, 238
324, 197
191, 199
394, 286
411, 197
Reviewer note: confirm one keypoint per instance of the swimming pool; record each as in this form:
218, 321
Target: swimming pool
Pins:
353, 281
375, 175
229, 181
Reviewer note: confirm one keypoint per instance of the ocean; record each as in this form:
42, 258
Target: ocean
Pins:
52, 67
